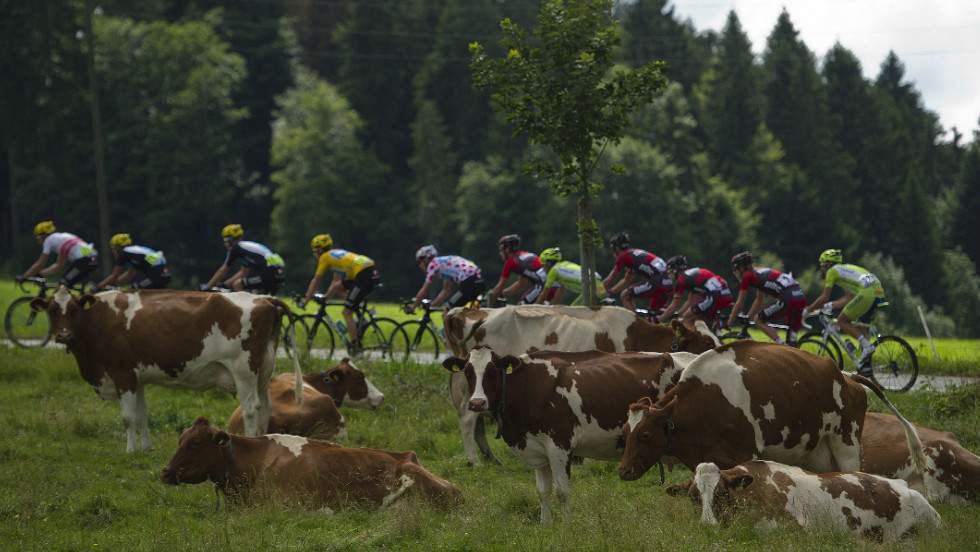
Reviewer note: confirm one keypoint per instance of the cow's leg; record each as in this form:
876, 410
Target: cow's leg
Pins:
481, 441
136, 420
467, 427
561, 465
844, 457
543, 478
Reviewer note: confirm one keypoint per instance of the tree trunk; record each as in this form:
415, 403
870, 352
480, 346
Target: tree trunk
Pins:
586, 241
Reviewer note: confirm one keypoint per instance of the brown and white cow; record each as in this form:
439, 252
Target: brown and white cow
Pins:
749, 400
323, 392
517, 330
527, 328
951, 473
862, 503
301, 471
552, 405
126, 340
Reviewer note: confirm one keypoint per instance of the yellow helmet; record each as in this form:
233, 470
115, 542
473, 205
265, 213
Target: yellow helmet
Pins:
231, 231
321, 241
120, 240
46, 227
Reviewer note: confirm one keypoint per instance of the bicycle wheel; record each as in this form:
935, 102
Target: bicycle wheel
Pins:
294, 336
422, 343
25, 327
894, 364
814, 343
374, 342
319, 341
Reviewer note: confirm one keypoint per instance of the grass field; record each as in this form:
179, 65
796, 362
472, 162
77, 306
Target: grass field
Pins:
67, 483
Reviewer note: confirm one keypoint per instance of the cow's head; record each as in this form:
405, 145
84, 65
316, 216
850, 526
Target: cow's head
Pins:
646, 435
348, 386
202, 453
486, 373
63, 308
712, 489
694, 340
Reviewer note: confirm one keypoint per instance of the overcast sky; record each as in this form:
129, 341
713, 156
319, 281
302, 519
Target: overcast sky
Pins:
938, 41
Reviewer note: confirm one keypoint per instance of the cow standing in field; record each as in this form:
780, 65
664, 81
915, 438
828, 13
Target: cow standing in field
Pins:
865, 504
951, 472
323, 393
528, 328
126, 340
552, 405
748, 400
301, 471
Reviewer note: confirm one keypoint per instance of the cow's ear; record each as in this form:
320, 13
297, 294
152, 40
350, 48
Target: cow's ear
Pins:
510, 363
454, 364
221, 438
679, 328
38, 304
741, 481
86, 301
335, 375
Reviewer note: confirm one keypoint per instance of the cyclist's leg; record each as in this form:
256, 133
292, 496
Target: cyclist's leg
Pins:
855, 309
78, 270
362, 286
641, 290
532, 294
770, 311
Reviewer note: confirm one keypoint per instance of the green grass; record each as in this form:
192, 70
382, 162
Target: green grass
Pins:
67, 483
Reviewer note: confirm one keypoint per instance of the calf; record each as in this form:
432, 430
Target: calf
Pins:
529, 328
951, 472
346, 385
550, 405
301, 471
749, 400
126, 340
845, 501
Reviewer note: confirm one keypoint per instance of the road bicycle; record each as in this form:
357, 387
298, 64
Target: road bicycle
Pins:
893, 365
746, 324
25, 327
418, 340
317, 334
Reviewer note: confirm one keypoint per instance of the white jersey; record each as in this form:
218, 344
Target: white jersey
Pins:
69, 245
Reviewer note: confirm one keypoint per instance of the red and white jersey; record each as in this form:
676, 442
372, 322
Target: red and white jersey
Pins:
69, 245
450, 267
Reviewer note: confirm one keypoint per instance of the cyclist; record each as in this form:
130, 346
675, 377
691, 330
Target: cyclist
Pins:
80, 256
151, 265
657, 285
526, 265
354, 278
789, 302
707, 292
452, 269
261, 269
862, 295
563, 275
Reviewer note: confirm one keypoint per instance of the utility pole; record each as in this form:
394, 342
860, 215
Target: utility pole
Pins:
99, 151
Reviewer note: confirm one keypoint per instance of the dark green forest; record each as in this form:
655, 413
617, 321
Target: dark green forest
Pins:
360, 119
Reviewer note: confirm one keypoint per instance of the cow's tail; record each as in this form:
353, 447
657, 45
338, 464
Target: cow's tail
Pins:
911, 435
284, 310
461, 343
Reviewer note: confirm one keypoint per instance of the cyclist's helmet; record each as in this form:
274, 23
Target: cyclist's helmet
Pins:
509, 242
831, 256
550, 255
321, 241
44, 228
231, 231
620, 240
120, 240
742, 260
677, 263
426, 252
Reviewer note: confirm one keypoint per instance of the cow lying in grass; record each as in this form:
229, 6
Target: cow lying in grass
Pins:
323, 392
301, 471
865, 504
